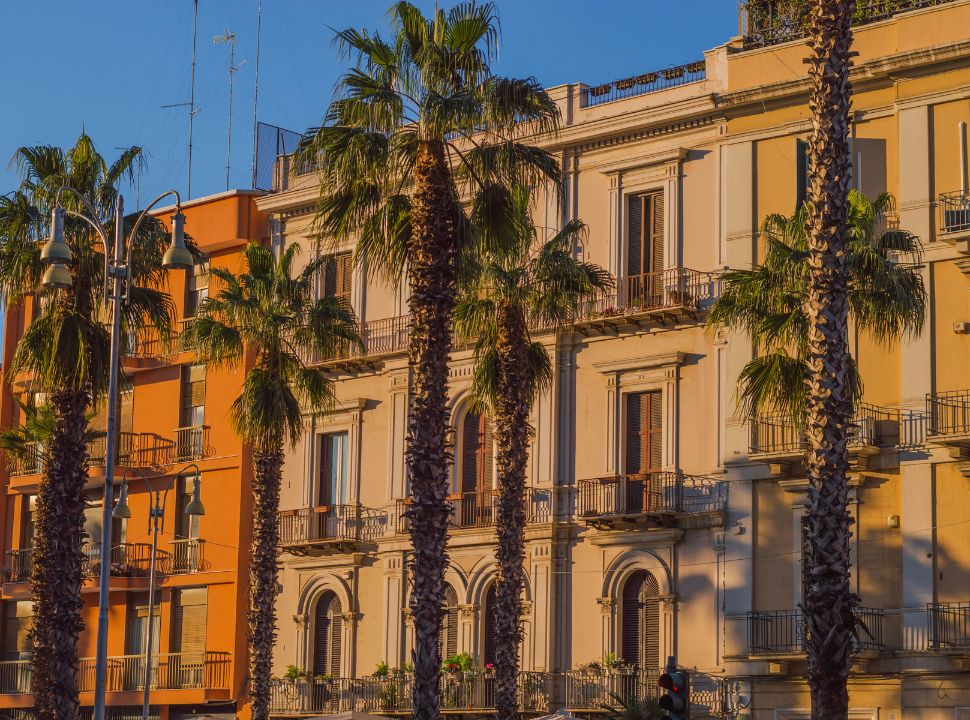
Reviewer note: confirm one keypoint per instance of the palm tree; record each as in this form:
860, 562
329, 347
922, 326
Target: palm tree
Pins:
26, 444
886, 298
520, 284
270, 315
828, 603
421, 140
65, 349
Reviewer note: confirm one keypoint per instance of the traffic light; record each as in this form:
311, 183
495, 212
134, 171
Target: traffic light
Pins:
675, 700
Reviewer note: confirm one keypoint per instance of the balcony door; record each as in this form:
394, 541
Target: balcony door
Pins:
644, 450
332, 489
477, 470
131, 670
644, 249
640, 629
448, 639
327, 635
187, 668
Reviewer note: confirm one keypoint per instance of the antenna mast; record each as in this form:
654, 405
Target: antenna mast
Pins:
191, 103
230, 39
259, 21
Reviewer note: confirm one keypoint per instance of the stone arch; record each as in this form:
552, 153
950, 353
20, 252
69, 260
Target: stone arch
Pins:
320, 589
481, 581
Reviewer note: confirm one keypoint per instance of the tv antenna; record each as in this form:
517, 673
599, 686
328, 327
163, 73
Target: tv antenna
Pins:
230, 39
259, 22
191, 103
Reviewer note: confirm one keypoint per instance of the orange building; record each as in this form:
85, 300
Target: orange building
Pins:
172, 429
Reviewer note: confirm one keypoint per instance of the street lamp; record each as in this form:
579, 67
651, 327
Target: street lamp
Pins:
156, 524
57, 255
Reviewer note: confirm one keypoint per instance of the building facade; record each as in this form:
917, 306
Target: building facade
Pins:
660, 521
173, 430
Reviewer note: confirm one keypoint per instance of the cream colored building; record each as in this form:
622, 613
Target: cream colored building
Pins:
661, 523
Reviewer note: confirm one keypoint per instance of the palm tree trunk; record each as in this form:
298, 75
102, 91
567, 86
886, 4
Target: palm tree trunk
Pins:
56, 571
267, 471
512, 433
431, 274
829, 604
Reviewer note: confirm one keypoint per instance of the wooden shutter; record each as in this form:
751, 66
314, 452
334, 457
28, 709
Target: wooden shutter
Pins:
469, 451
193, 388
656, 206
188, 623
644, 432
327, 469
634, 246
489, 629
449, 631
338, 275
486, 450
327, 635
640, 621
645, 233
801, 173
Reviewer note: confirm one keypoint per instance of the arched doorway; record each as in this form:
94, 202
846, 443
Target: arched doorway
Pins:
488, 627
327, 635
640, 621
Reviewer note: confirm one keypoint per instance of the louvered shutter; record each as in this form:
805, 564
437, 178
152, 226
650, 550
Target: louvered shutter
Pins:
640, 621
449, 631
327, 635
654, 444
489, 619
634, 433
656, 254
469, 452
634, 247
189, 621
801, 173
631, 620
327, 471
336, 639
338, 273
644, 432
486, 451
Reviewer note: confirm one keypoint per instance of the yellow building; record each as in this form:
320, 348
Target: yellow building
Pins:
660, 522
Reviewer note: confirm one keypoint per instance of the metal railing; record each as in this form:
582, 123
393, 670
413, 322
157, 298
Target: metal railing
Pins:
592, 690
648, 493
782, 632
187, 556
871, 425
470, 692
16, 677
480, 509
134, 450
147, 343
192, 443
954, 211
763, 23
949, 624
643, 84
331, 523
672, 289
17, 565
170, 671
949, 412
127, 559
32, 463
378, 337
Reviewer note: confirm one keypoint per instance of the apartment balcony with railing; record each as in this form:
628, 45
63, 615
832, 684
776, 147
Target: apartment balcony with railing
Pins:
459, 693
139, 450
192, 443
186, 556
949, 419
763, 23
775, 436
590, 691
379, 338
949, 624
479, 510
659, 499
781, 633
954, 212
330, 529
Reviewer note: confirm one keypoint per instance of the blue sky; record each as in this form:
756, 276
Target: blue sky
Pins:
109, 66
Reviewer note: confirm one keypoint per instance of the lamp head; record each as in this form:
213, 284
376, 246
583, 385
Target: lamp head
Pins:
55, 250
121, 511
195, 506
177, 257
57, 277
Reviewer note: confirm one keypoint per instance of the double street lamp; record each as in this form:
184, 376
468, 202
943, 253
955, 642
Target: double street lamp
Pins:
57, 255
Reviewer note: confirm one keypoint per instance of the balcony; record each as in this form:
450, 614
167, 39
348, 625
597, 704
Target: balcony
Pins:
146, 349
187, 556
479, 510
329, 529
192, 443
653, 299
949, 420
126, 673
17, 565
775, 436
781, 22
782, 633
954, 212
950, 625
378, 338
643, 84
459, 693
590, 691
660, 499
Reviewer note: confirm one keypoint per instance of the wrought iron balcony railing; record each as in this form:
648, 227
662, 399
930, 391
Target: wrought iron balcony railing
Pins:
644, 83
306, 528
17, 565
949, 625
782, 632
186, 556
463, 692
949, 413
675, 289
777, 433
378, 337
644, 494
192, 443
763, 23
141, 450
954, 211
480, 509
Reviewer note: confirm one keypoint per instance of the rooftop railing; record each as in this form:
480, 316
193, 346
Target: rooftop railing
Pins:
655, 493
644, 83
763, 23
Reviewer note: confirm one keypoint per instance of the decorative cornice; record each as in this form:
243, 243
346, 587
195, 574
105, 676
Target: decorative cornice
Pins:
671, 359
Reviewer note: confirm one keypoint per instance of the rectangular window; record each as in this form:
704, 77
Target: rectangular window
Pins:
333, 469
801, 173
645, 234
17, 619
137, 637
29, 507
644, 432
188, 622
196, 288
193, 396
186, 526
337, 275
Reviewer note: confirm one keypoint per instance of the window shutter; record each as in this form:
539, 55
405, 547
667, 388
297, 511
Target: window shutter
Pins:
634, 433
327, 471
189, 621
327, 626
640, 621
644, 432
489, 618
449, 631
656, 255
338, 274
336, 639
634, 248
469, 451
654, 461
801, 173
486, 451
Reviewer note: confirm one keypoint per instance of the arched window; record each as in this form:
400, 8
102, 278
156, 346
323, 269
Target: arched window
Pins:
488, 620
641, 620
448, 641
327, 627
476, 480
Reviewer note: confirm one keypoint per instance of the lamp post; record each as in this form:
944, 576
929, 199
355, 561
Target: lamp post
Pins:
156, 524
117, 277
